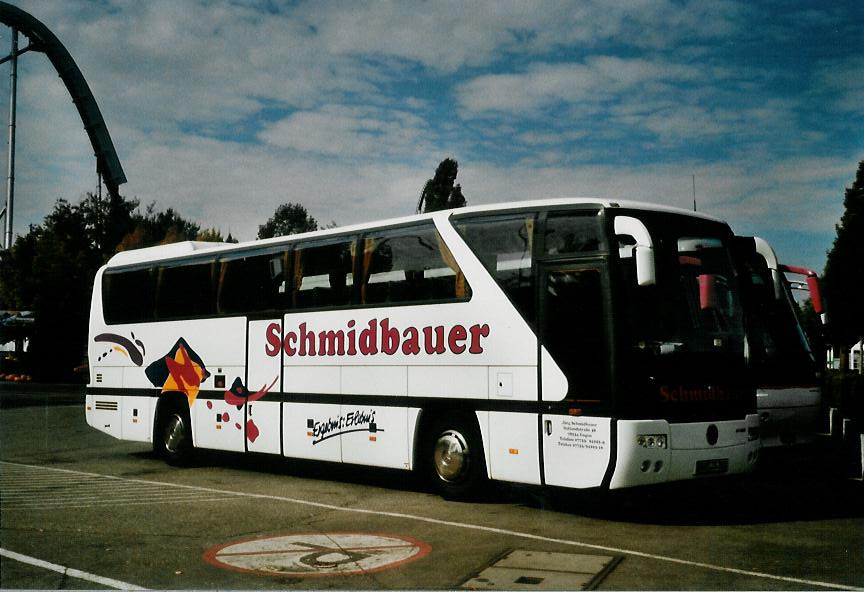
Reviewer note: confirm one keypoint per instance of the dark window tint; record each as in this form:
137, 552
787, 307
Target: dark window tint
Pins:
127, 296
571, 233
409, 265
504, 245
252, 284
184, 291
322, 274
574, 330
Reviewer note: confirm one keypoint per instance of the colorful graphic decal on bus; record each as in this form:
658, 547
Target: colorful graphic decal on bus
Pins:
353, 421
239, 395
181, 370
378, 336
123, 345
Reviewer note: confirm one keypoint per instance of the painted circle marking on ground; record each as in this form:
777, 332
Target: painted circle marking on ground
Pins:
317, 554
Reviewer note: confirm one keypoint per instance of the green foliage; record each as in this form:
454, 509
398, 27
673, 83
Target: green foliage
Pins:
50, 271
214, 235
158, 228
439, 192
289, 218
845, 268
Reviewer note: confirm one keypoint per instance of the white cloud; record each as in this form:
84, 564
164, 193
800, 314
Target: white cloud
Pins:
344, 131
843, 82
348, 107
542, 85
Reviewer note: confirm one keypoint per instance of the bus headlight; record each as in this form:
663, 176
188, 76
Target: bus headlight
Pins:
651, 441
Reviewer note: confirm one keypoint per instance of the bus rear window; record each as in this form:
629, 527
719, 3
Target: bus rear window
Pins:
128, 296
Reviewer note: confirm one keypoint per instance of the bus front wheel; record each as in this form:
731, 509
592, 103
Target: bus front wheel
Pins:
455, 460
173, 437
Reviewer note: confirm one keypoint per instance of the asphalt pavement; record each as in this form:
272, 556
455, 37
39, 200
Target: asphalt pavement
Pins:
79, 509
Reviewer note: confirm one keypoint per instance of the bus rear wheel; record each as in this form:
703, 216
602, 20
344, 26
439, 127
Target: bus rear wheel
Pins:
455, 460
173, 437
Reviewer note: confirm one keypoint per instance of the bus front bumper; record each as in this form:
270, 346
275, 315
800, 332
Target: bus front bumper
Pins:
655, 451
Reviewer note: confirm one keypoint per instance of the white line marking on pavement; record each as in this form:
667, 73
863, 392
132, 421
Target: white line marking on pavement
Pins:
477, 527
23, 488
74, 573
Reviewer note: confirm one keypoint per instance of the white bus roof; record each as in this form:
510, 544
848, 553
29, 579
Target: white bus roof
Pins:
188, 248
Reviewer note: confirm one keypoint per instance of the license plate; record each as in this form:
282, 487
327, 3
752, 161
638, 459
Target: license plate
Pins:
714, 466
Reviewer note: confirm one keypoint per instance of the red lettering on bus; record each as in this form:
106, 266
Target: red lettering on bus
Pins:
478, 331
411, 343
378, 336
369, 339
352, 349
331, 343
389, 338
290, 337
307, 341
457, 335
274, 339
438, 346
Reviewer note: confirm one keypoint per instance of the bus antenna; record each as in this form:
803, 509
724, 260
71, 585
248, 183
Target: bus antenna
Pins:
694, 193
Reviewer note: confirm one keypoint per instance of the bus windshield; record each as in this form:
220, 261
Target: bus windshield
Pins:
780, 351
685, 333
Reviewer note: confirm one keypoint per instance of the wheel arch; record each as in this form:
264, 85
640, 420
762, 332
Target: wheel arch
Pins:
431, 414
166, 403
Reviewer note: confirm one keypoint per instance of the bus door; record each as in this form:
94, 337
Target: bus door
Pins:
263, 388
574, 361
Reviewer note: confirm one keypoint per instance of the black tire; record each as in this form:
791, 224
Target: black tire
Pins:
454, 458
173, 435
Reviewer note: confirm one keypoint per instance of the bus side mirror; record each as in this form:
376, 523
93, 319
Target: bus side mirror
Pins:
643, 250
815, 294
812, 285
645, 273
707, 292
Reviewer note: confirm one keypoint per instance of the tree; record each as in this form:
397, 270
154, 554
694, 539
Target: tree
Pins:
214, 235
107, 221
439, 192
844, 270
158, 228
289, 218
50, 270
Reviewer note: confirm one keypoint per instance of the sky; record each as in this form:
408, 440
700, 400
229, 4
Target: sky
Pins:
223, 110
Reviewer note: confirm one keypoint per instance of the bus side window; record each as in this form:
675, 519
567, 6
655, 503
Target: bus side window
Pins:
184, 291
572, 233
252, 284
409, 265
504, 245
322, 274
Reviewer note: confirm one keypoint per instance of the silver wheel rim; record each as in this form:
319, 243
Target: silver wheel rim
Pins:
175, 434
451, 456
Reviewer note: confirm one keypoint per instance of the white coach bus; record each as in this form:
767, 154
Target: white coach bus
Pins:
788, 376
575, 343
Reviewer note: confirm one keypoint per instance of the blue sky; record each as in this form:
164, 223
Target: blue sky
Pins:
223, 110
